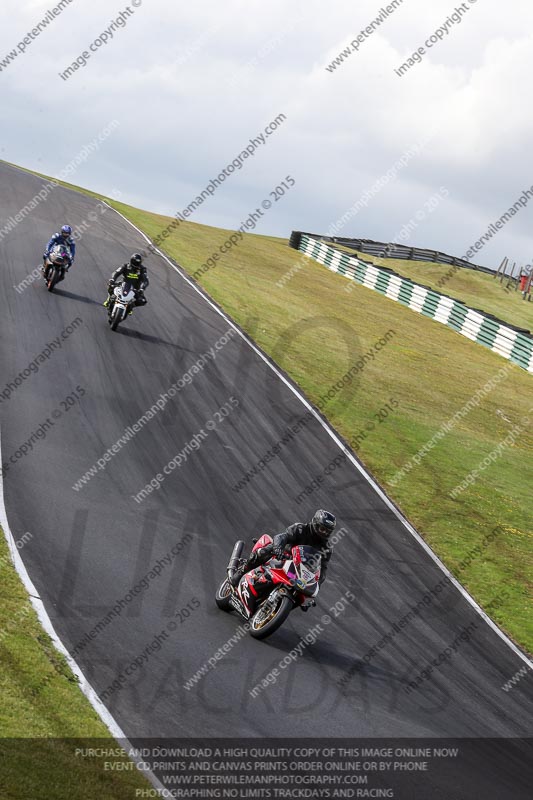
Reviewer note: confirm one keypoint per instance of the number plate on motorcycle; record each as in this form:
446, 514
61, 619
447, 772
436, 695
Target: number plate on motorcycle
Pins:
306, 574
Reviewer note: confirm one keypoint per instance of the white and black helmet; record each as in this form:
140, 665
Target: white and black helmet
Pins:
323, 523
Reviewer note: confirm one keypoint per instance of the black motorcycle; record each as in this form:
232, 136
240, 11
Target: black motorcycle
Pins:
55, 266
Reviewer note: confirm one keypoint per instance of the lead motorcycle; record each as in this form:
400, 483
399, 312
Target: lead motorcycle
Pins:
55, 266
267, 594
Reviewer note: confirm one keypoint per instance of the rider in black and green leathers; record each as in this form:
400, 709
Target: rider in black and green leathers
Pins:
134, 273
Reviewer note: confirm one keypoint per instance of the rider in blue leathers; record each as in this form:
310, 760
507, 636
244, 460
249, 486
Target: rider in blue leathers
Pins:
63, 237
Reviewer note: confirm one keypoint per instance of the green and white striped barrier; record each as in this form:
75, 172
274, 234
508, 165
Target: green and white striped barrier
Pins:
511, 344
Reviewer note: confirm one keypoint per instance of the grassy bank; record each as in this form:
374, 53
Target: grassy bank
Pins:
475, 289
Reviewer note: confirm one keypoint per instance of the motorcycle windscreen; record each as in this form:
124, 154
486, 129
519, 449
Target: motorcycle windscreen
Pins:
307, 561
125, 292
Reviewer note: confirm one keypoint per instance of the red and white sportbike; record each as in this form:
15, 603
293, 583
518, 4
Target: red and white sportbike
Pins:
267, 594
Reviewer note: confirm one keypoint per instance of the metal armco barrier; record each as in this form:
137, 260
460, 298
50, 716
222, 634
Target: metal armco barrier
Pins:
501, 338
392, 250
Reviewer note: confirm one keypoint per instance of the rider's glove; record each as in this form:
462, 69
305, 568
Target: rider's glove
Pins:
278, 551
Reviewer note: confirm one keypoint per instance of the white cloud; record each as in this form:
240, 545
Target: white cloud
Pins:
191, 83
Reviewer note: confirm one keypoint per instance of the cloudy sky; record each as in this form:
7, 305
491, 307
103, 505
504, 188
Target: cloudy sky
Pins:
190, 84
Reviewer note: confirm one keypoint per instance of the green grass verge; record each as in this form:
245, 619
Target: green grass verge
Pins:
475, 289
41, 703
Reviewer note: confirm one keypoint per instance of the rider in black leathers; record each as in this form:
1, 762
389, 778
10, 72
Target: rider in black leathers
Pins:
136, 274
315, 533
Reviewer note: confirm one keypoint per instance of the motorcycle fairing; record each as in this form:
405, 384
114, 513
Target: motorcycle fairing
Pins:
262, 542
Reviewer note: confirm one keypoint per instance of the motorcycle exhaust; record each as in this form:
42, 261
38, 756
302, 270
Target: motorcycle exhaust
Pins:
235, 557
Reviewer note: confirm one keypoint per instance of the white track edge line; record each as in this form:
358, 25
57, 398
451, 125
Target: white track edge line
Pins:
47, 625
337, 441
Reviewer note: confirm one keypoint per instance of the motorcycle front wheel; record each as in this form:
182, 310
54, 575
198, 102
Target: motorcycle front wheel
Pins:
223, 595
53, 279
116, 318
268, 619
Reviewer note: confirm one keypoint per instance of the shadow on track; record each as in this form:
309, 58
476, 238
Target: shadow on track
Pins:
347, 665
146, 337
80, 297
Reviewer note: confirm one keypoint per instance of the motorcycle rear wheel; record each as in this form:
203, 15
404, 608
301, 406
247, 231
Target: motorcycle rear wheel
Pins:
265, 622
223, 595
